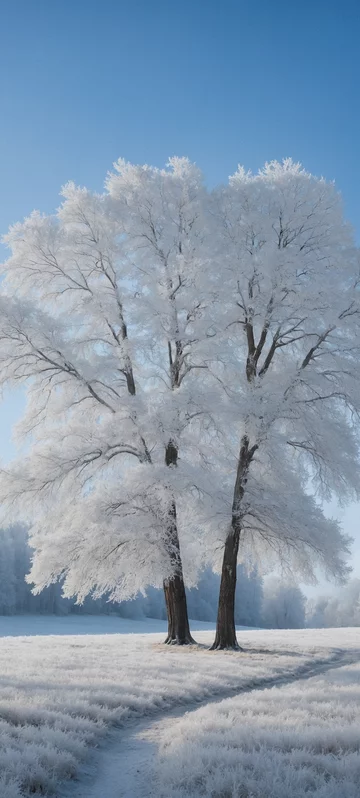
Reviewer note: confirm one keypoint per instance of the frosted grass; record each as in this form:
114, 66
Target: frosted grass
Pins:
60, 694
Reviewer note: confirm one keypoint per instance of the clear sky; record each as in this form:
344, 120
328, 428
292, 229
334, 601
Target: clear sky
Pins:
83, 82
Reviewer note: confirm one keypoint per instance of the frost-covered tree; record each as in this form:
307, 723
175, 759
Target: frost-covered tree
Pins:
342, 609
249, 597
101, 317
283, 606
288, 300
7, 575
15, 593
161, 221
191, 373
348, 611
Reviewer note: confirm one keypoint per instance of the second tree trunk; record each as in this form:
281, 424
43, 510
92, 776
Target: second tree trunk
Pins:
225, 626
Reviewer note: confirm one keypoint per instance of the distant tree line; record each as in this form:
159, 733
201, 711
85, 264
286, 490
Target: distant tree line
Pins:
343, 609
16, 595
272, 605
267, 603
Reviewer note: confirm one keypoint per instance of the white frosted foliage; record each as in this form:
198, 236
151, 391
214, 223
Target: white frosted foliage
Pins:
161, 312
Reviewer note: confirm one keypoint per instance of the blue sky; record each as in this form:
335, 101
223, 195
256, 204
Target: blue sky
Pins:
83, 82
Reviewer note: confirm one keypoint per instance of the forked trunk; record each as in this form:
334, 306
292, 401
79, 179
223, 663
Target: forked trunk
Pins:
225, 627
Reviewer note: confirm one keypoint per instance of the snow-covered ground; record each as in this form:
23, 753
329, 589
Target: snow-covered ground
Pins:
61, 694
22, 625
298, 741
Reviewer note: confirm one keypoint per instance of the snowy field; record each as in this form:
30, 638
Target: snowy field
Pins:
23, 625
296, 741
62, 694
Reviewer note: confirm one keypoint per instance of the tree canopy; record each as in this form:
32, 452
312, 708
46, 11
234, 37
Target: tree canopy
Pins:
190, 359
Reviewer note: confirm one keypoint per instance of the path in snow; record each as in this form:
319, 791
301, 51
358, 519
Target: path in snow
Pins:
123, 766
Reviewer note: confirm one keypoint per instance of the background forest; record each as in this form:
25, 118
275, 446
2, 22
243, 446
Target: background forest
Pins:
265, 603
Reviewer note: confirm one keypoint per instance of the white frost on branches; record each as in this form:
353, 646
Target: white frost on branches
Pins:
158, 314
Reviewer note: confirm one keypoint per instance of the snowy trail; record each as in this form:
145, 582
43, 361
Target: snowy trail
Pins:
123, 766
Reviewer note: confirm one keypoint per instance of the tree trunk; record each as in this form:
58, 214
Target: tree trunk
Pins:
178, 623
174, 587
225, 627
